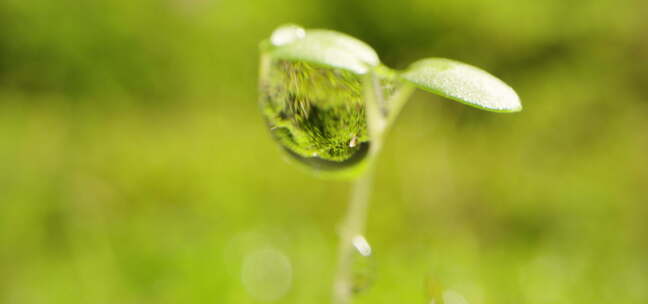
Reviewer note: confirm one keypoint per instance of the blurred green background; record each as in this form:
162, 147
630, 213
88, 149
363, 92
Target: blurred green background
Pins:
135, 166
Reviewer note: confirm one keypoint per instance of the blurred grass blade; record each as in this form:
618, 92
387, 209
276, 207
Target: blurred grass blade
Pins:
321, 47
463, 83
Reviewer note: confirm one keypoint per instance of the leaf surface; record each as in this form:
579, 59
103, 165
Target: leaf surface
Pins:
463, 83
322, 47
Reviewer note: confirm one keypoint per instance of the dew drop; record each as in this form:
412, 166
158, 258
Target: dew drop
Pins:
316, 114
362, 267
361, 245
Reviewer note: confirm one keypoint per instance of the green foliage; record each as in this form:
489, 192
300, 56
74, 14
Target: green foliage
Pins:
316, 87
464, 83
322, 47
448, 78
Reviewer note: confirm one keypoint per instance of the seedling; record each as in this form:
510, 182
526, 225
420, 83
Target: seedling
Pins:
328, 102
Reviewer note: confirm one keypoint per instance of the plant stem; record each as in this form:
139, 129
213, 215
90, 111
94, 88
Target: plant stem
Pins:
381, 112
352, 226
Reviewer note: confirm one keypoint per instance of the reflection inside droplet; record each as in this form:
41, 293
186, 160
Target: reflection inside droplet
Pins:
316, 114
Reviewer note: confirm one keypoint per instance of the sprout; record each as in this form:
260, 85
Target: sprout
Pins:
328, 102
327, 98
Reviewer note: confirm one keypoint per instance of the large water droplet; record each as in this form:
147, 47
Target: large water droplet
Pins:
362, 267
317, 114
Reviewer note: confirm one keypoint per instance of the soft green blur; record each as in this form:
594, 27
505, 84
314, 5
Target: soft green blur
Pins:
135, 166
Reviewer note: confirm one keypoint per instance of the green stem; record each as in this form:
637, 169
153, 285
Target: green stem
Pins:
381, 112
352, 226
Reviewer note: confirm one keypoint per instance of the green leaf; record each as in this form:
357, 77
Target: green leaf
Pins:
463, 83
321, 47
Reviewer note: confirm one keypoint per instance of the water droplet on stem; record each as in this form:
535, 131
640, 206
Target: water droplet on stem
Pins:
362, 265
